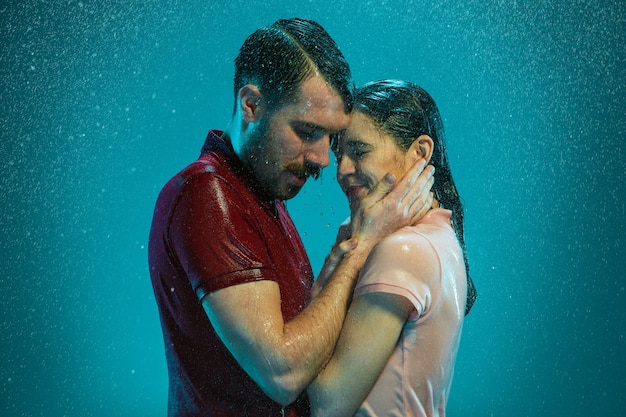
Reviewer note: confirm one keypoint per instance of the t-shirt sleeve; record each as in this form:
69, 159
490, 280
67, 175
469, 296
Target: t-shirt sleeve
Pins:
216, 239
406, 265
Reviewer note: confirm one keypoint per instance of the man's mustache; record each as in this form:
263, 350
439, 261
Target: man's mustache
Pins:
308, 170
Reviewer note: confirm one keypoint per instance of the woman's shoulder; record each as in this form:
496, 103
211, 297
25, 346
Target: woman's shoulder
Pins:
407, 238
407, 249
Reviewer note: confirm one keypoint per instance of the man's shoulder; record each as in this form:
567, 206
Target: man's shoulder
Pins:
208, 167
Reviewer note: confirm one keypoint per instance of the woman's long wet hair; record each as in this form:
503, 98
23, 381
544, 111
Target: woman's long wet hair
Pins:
405, 111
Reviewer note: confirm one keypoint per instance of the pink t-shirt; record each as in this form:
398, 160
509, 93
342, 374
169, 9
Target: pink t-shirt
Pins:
417, 377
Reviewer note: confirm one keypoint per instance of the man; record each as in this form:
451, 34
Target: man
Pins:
229, 271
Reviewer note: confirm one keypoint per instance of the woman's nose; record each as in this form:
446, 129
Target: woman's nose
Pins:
345, 166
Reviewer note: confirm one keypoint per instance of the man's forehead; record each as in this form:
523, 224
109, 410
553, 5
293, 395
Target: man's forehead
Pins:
316, 91
327, 115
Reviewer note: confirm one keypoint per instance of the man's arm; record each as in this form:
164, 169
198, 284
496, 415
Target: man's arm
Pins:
283, 358
343, 244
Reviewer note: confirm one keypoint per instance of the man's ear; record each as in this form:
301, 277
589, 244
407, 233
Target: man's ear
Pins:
251, 103
422, 147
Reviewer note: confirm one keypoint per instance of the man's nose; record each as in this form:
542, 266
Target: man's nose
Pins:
318, 153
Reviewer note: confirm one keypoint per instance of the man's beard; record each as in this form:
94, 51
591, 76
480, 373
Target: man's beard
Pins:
261, 155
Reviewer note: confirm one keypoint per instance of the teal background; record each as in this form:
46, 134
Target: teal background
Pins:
102, 102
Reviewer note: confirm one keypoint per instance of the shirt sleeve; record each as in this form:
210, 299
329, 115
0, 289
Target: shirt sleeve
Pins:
406, 265
215, 237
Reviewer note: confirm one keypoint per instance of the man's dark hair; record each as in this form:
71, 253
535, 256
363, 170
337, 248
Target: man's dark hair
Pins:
278, 58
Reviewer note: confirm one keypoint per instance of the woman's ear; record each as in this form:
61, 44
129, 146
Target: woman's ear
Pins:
251, 103
422, 147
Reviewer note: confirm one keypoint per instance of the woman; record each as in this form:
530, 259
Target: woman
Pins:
399, 343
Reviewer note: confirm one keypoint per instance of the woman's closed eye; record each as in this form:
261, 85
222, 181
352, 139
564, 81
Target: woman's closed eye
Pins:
357, 150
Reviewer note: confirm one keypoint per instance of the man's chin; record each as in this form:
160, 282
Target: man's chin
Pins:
287, 191
291, 192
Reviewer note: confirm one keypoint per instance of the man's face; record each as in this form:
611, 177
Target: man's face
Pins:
293, 143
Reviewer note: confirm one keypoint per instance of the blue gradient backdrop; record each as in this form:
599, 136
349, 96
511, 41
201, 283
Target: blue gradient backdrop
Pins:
101, 102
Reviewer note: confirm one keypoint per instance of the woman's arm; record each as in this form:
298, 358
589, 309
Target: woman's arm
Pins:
403, 271
369, 335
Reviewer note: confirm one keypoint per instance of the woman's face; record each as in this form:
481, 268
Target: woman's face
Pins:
364, 156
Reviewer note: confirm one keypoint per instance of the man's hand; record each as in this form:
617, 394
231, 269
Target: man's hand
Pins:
388, 208
332, 260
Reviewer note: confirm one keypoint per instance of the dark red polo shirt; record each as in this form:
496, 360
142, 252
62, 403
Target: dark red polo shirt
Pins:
210, 231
